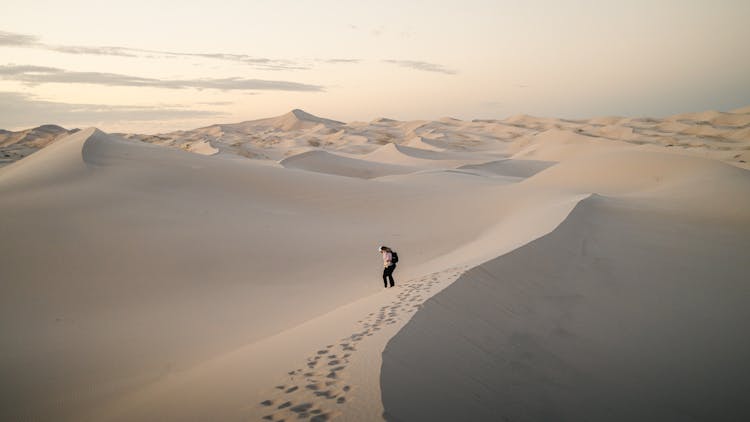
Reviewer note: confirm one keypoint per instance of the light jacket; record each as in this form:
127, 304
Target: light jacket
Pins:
387, 258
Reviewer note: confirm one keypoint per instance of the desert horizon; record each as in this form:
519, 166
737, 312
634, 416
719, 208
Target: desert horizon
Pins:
337, 211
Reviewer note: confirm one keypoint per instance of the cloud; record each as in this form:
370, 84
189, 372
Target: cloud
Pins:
335, 61
424, 66
23, 110
35, 75
258, 62
11, 39
99, 51
10, 70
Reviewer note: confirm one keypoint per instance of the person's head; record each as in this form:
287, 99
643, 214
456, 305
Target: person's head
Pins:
385, 249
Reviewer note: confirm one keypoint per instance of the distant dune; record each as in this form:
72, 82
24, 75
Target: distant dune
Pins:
16, 145
326, 162
550, 269
720, 135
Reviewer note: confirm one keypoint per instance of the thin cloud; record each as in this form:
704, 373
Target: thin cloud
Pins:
259, 62
23, 110
11, 39
423, 66
35, 75
335, 61
17, 40
11, 69
96, 51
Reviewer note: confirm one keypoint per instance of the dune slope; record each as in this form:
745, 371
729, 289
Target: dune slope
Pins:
129, 266
627, 311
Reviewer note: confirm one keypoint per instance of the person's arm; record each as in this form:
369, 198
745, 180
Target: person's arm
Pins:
388, 258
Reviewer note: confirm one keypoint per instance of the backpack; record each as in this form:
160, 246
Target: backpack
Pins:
394, 257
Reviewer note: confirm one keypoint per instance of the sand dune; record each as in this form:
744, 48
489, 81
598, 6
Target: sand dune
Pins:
294, 120
622, 313
230, 272
422, 143
422, 158
326, 162
719, 135
629, 171
513, 168
16, 145
176, 254
559, 144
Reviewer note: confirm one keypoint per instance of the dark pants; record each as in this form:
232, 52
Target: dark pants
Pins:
388, 275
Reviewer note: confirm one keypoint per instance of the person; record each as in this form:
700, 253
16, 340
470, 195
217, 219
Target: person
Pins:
388, 266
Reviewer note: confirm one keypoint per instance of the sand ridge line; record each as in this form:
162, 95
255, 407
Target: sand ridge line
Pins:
317, 390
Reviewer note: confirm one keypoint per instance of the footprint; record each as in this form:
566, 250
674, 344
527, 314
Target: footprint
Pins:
301, 408
292, 389
326, 394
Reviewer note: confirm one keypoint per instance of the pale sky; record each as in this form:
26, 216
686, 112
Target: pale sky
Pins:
148, 66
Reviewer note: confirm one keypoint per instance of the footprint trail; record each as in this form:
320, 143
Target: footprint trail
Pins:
318, 389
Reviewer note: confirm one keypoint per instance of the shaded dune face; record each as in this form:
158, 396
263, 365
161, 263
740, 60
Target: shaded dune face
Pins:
627, 311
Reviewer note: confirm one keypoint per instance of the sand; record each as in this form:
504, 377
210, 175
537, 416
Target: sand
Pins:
231, 272
624, 312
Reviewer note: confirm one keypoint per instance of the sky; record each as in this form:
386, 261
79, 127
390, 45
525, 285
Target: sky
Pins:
150, 67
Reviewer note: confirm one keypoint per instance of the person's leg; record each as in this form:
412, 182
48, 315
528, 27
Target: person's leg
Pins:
385, 277
390, 274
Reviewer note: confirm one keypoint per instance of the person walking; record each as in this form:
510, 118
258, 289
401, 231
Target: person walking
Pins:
389, 265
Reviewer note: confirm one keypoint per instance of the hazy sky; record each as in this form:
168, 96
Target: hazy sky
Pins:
148, 66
